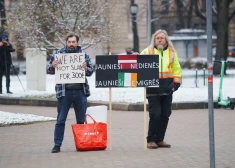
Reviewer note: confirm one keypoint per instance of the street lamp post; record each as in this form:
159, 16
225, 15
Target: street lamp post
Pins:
133, 11
2, 13
149, 21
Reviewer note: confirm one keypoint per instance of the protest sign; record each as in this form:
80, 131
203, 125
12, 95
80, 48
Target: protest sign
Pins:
127, 71
69, 69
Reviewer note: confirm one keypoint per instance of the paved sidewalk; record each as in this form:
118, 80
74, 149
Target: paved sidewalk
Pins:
29, 146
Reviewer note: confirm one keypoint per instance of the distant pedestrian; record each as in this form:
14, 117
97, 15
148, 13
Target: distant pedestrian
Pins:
160, 98
129, 50
68, 94
5, 61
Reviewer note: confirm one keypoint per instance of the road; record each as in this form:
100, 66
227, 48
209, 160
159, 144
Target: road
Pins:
29, 146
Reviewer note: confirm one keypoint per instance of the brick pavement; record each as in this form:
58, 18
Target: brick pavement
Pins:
29, 146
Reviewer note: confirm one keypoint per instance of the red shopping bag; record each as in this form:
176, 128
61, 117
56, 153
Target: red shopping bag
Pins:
90, 136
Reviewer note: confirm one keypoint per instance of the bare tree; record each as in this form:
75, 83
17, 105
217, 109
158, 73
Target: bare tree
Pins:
180, 10
160, 9
3, 17
222, 17
184, 10
113, 17
44, 23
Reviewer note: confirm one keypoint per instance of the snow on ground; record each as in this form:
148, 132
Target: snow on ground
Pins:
188, 92
7, 118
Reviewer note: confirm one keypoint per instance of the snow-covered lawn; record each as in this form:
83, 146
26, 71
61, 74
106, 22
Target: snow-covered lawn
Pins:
7, 118
188, 92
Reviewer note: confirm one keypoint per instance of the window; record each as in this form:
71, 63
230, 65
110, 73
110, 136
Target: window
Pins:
203, 5
196, 26
178, 26
165, 27
203, 26
165, 6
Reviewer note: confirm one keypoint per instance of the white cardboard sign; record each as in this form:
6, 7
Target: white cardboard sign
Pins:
69, 69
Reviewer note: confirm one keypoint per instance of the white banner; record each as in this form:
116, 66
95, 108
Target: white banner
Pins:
69, 69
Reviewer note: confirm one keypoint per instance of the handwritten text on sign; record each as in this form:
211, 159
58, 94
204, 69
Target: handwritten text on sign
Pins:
69, 69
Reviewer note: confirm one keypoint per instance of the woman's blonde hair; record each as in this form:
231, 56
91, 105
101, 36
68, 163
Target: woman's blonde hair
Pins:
152, 44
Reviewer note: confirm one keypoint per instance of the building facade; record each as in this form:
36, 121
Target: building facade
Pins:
164, 16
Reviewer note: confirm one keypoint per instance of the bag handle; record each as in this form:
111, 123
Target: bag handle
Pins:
88, 115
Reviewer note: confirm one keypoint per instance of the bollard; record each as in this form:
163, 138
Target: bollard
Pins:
204, 76
196, 80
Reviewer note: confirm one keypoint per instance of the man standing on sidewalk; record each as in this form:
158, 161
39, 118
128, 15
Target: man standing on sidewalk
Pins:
160, 98
68, 94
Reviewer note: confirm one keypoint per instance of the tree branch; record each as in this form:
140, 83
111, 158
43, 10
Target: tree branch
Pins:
214, 10
198, 12
231, 15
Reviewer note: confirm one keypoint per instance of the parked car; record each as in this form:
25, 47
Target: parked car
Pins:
231, 51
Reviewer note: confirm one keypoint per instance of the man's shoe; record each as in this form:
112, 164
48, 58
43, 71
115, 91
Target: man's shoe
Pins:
163, 144
56, 149
152, 145
9, 92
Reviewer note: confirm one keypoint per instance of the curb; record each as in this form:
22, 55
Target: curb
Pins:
115, 105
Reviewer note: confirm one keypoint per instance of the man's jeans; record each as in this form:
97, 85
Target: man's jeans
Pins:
79, 101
